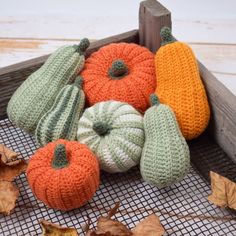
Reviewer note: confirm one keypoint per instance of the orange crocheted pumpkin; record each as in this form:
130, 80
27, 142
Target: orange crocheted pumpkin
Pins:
63, 174
120, 71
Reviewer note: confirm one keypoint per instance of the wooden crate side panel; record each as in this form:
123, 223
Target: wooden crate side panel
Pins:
11, 77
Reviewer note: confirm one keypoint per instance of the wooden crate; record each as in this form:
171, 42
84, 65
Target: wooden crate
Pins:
214, 150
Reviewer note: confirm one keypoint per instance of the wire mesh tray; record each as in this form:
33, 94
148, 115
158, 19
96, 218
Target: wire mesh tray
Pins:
183, 208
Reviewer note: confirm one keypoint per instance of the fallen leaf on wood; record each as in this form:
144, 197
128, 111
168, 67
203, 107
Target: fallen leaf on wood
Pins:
9, 172
50, 229
8, 196
223, 191
8, 156
150, 226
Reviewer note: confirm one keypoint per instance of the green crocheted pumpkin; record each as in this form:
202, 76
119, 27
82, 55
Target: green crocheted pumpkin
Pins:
61, 121
114, 132
165, 157
38, 92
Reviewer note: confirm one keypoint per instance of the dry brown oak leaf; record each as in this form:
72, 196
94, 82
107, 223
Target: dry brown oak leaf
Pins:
50, 229
8, 156
223, 191
8, 195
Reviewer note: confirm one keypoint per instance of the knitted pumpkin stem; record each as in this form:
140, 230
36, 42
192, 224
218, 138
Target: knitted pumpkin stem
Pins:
79, 81
118, 69
60, 160
83, 45
166, 36
154, 99
101, 128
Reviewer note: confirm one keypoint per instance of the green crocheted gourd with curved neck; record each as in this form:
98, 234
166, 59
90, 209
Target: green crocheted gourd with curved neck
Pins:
165, 158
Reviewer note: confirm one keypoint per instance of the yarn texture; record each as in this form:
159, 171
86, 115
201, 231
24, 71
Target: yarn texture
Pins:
122, 72
63, 174
165, 158
114, 132
180, 85
38, 92
61, 121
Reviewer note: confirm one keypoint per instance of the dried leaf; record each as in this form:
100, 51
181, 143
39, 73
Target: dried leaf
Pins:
8, 196
9, 172
8, 156
50, 229
223, 191
150, 226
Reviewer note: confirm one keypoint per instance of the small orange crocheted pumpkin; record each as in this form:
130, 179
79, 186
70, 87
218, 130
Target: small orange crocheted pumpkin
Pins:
63, 174
120, 71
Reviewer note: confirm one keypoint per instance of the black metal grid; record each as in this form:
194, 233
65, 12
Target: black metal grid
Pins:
183, 208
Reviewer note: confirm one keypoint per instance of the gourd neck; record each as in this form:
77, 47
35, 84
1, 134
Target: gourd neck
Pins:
154, 100
60, 159
101, 128
79, 81
118, 69
83, 45
166, 36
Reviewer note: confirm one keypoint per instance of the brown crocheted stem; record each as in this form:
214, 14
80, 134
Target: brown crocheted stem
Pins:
118, 69
60, 160
154, 100
79, 81
83, 45
166, 36
101, 128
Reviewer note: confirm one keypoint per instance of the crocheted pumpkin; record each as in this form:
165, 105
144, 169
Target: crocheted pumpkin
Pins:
180, 85
165, 157
61, 121
120, 71
114, 131
63, 174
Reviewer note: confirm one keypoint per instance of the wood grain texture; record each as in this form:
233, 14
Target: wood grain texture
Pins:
11, 77
223, 112
152, 17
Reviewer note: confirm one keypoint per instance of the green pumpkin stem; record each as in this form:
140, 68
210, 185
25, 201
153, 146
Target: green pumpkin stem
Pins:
83, 45
60, 160
118, 69
79, 81
101, 128
166, 36
154, 100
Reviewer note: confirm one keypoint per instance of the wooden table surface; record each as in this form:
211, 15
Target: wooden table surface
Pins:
33, 28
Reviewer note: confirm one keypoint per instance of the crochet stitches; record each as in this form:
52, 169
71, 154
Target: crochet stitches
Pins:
61, 121
114, 131
120, 71
180, 85
38, 92
63, 174
165, 157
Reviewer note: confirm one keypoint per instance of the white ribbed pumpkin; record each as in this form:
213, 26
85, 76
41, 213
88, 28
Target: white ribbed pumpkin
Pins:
114, 132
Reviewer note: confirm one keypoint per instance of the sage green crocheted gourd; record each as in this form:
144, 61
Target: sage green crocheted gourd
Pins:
38, 92
165, 157
61, 121
114, 132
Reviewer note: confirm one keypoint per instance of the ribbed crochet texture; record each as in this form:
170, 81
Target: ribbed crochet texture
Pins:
61, 121
38, 92
165, 157
67, 182
180, 85
120, 71
114, 131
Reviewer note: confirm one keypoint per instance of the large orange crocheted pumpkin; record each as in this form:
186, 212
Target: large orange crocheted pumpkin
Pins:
120, 71
63, 174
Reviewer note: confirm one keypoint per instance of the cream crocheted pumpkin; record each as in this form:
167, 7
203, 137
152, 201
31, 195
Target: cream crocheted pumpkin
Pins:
114, 131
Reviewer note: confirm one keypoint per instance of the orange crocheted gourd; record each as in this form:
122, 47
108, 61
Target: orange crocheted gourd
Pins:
120, 71
179, 85
63, 174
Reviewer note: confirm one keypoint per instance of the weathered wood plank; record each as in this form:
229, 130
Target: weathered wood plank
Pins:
152, 17
223, 112
11, 77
